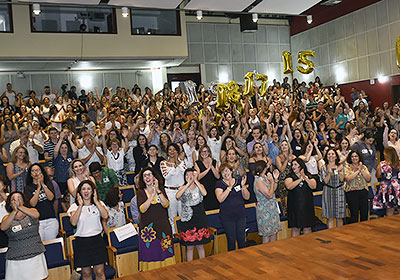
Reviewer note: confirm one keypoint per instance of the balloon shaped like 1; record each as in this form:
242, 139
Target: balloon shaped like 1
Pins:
248, 84
302, 59
264, 85
233, 94
287, 62
222, 101
398, 51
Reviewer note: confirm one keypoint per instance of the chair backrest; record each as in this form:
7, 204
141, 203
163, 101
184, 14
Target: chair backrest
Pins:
3, 252
66, 225
130, 176
318, 200
213, 219
128, 192
177, 223
128, 212
131, 243
251, 218
55, 254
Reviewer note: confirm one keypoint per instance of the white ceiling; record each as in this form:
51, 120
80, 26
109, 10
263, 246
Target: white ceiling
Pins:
288, 7
219, 5
104, 65
160, 4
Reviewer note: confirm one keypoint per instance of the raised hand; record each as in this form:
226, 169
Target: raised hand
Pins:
79, 198
276, 174
95, 197
270, 177
244, 178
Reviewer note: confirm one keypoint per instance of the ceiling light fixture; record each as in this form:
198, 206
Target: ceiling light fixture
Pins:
199, 15
36, 9
125, 11
254, 17
309, 19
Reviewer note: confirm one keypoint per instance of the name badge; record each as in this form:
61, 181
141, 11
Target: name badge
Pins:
364, 151
237, 188
298, 148
106, 180
158, 200
335, 172
16, 228
69, 159
195, 196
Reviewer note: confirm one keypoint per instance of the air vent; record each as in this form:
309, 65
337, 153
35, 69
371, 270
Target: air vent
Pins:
331, 2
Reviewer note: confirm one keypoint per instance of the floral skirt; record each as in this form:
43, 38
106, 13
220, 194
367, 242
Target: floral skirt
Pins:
195, 231
388, 195
155, 249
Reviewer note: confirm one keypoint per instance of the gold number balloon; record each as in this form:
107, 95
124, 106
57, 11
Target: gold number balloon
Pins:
287, 62
264, 85
398, 51
233, 92
248, 84
222, 101
302, 59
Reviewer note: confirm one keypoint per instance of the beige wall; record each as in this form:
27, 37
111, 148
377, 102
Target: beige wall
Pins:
24, 44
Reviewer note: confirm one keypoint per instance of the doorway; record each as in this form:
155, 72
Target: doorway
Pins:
175, 79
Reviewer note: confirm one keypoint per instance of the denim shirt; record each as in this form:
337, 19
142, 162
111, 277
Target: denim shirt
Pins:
369, 155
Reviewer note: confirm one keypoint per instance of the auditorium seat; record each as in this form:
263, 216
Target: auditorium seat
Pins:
130, 175
66, 228
128, 192
57, 263
217, 230
123, 255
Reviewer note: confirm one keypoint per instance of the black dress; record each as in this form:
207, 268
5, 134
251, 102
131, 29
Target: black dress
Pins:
300, 205
193, 229
209, 181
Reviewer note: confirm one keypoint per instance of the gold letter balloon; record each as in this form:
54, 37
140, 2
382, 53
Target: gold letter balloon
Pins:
302, 59
222, 91
287, 62
248, 84
264, 85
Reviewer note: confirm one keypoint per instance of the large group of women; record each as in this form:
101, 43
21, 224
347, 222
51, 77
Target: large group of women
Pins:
188, 159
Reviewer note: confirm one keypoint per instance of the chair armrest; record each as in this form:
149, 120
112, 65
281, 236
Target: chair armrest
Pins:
177, 235
112, 252
129, 220
212, 230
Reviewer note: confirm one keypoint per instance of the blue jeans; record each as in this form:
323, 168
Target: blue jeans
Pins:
235, 231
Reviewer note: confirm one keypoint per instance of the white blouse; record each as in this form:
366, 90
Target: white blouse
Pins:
174, 176
89, 223
115, 161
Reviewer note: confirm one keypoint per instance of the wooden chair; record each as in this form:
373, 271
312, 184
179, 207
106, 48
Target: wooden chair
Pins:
57, 263
66, 229
124, 255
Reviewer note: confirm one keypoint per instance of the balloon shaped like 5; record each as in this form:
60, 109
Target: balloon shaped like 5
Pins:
233, 94
302, 59
287, 62
248, 84
222, 101
398, 51
264, 86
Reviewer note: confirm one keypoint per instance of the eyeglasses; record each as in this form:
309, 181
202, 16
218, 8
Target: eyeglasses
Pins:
36, 170
205, 151
147, 175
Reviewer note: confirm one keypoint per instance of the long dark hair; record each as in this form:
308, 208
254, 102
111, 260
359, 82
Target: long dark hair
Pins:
29, 178
186, 172
91, 184
302, 166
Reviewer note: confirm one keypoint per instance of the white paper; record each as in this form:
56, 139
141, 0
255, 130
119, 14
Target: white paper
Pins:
124, 232
277, 206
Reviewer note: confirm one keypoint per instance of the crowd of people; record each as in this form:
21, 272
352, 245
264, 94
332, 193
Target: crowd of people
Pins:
70, 152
